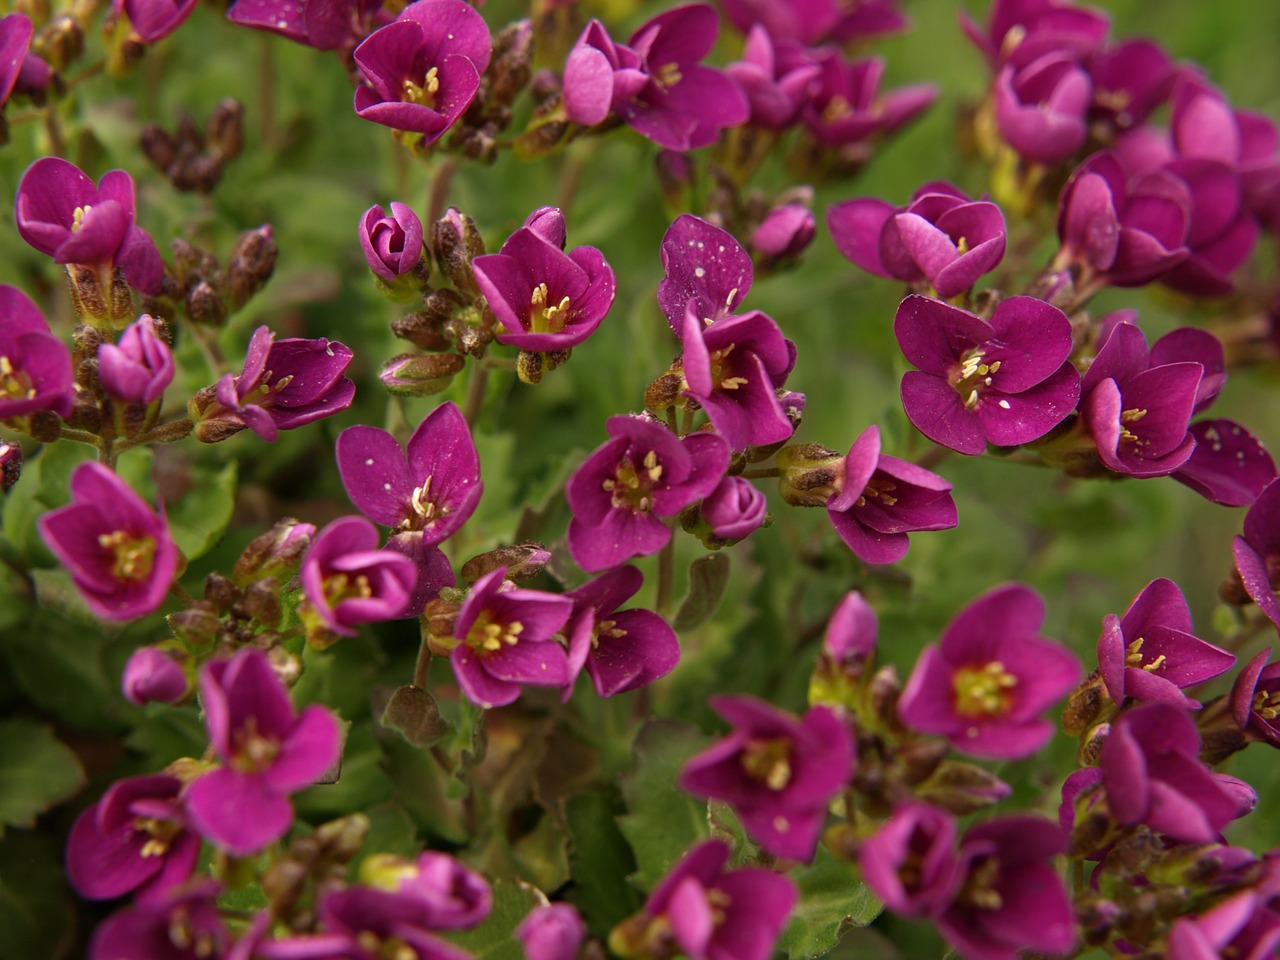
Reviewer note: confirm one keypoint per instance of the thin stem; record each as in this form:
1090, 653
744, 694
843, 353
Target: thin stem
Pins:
90, 71
666, 574
422, 665
475, 393
180, 592
209, 347
686, 422
761, 473
439, 192
671, 420
107, 454
500, 363
80, 436
54, 131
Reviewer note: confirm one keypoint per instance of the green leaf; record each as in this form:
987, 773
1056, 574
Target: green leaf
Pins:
36, 771
495, 938
832, 899
600, 860
36, 918
199, 518
663, 821
58, 663
707, 578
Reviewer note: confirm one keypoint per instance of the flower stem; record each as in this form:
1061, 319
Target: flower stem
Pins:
422, 665
439, 192
761, 473
666, 574
475, 393
180, 593
80, 436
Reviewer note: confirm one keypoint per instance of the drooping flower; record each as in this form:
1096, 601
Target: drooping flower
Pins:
777, 771
118, 551
554, 931
621, 650
35, 365
444, 892
153, 20
348, 580
654, 82
62, 214
622, 490
545, 299
1150, 653
268, 751
392, 244
941, 237
285, 384
717, 914
705, 265
911, 862
134, 840
137, 368
508, 638
1152, 774
422, 70
1257, 551
879, 499
429, 489
784, 233
1011, 898
984, 686
1007, 381
734, 369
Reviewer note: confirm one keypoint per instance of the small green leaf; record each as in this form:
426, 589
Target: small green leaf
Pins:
707, 578
601, 860
413, 713
664, 822
199, 518
495, 938
832, 899
36, 771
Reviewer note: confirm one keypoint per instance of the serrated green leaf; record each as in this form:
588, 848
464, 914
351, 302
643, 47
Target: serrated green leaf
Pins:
600, 860
495, 938
663, 822
37, 771
832, 899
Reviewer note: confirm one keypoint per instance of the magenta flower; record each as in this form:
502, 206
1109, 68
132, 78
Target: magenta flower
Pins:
349, 581
1011, 898
734, 509
139, 367
734, 369
35, 365
705, 266
1005, 382
718, 914
1041, 107
422, 70
941, 238
776, 75
851, 632
134, 840
847, 107
153, 20
63, 215
1228, 464
785, 232
640, 475
1152, 774
392, 244
443, 892
428, 489
621, 649
1244, 925
776, 771
552, 932
1131, 80
15, 41
268, 751
322, 24
285, 384
880, 499
118, 551
1255, 699
153, 676
366, 923
984, 686
1023, 30
1150, 653
187, 925
911, 863
1138, 410
544, 298
1221, 233
508, 638
1257, 551
655, 82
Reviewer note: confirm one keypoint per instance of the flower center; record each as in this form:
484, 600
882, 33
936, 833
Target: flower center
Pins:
878, 488
837, 108
77, 217
14, 383
340, 586
1133, 657
488, 636
544, 317
253, 752
720, 370
667, 75
184, 935
983, 691
160, 834
1267, 704
1127, 417
972, 375
768, 761
606, 628
632, 489
424, 93
979, 886
131, 556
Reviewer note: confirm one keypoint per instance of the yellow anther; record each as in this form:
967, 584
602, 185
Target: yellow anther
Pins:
983, 691
131, 556
77, 218
668, 75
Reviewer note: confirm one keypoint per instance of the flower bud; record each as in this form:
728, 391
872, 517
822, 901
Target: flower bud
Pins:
423, 329
253, 259
415, 714
225, 129
139, 367
734, 509
456, 242
205, 306
392, 244
523, 560
262, 602
419, 375
809, 474
340, 840
552, 932
962, 788
784, 233
509, 68
10, 465
198, 626
153, 676
276, 554
548, 223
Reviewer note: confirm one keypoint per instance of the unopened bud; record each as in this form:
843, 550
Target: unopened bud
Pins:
45, 426
10, 465
420, 375
198, 626
455, 241
158, 146
809, 474
275, 554
962, 788
225, 129
509, 70
87, 294
205, 306
1091, 746
283, 883
664, 392
221, 592
1085, 706
60, 43
340, 840
523, 560
121, 303
413, 712
543, 136
424, 329
262, 602
253, 259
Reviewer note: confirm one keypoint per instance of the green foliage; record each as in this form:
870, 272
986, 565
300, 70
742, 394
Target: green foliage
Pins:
495, 938
37, 771
832, 899
36, 917
600, 860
